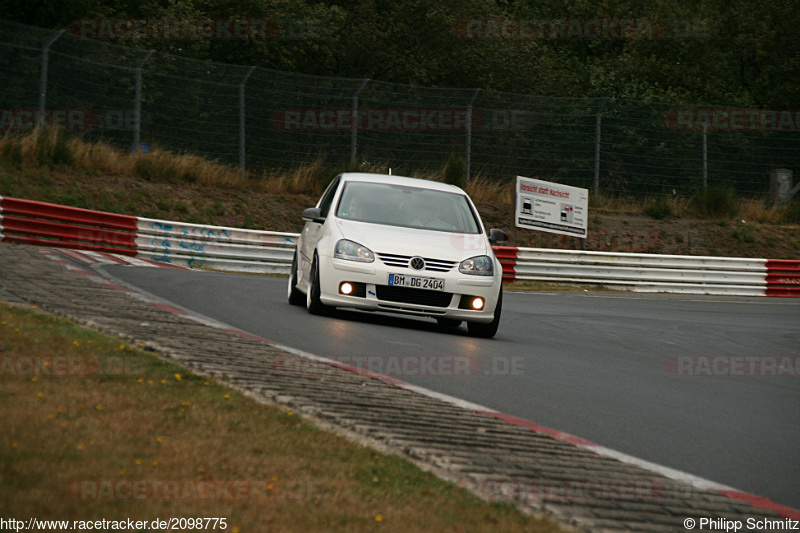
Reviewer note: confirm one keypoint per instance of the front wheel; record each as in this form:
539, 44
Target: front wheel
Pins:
295, 296
488, 330
313, 302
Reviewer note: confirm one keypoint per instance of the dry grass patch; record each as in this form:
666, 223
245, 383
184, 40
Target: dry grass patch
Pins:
99, 156
759, 210
105, 439
484, 191
302, 180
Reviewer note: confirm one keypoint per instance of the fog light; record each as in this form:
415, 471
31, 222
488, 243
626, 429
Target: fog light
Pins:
477, 304
346, 288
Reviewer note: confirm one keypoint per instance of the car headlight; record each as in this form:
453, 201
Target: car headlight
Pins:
481, 265
352, 251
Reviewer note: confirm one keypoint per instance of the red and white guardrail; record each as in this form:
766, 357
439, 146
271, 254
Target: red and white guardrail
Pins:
224, 248
174, 243
653, 272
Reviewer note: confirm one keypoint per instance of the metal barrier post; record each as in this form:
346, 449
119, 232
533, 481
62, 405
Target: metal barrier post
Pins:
597, 131
354, 124
468, 149
705, 157
242, 120
137, 104
43, 78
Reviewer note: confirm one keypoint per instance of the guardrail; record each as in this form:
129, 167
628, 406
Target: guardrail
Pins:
242, 250
175, 243
216, 247
637, 272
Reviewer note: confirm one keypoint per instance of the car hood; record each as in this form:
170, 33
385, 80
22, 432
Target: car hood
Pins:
411, 241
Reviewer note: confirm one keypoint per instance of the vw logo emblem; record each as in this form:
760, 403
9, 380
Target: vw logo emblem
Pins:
417, 263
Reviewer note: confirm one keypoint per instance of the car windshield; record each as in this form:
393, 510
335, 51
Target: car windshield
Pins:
411, 207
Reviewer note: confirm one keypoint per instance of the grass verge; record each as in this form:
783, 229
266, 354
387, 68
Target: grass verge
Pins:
94, 429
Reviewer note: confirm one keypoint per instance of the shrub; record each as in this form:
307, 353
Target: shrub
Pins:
61, 152
455, 171
792, 212
743, 234
719, 200
659, 208
51, 149
156, 167
12, 150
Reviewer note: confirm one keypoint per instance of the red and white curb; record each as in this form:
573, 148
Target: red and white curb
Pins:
104, 258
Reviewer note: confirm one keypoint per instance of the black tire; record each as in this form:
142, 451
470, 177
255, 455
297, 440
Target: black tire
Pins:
488, 330
313, 303
448, 323
295, 296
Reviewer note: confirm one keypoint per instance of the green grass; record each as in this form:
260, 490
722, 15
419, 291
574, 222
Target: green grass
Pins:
123, 415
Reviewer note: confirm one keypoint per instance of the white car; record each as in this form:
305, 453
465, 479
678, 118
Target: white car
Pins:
403, 245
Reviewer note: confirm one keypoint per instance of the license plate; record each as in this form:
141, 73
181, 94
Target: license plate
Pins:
415, 282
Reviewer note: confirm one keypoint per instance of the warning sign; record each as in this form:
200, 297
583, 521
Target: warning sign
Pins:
546, 206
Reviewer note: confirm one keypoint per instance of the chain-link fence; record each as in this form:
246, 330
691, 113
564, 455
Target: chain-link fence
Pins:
265, 119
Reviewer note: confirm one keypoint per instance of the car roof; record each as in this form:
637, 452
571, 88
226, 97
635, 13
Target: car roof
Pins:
400, 180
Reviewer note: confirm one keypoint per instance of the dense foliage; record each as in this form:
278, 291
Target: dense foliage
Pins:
720, 52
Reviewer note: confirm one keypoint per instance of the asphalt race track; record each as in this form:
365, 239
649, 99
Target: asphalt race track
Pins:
608, 367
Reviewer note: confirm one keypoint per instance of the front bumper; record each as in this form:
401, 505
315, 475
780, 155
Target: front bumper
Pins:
378, 296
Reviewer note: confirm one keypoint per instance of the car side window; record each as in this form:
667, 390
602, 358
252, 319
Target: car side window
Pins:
327, 197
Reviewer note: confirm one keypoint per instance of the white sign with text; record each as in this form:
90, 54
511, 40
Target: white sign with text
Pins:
552, 207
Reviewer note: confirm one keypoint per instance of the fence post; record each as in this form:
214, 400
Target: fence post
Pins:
354, 124
597, 131
43, 78
705, 157
242, 120
468, 148
137, 104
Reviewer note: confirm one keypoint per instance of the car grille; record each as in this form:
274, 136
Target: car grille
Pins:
407, 295
402, 261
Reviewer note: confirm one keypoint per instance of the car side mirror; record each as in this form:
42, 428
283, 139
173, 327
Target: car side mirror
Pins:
497, 237
312, 214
